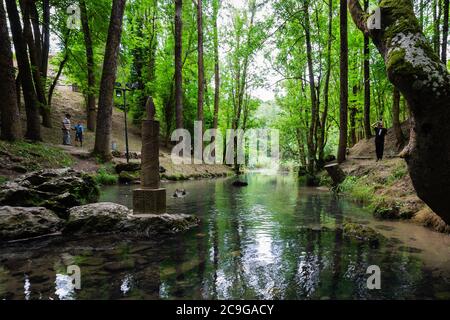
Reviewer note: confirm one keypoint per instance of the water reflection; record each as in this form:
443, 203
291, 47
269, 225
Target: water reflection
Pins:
272, 240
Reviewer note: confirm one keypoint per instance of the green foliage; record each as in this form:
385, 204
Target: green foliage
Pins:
106, 176
399, 173
358, 189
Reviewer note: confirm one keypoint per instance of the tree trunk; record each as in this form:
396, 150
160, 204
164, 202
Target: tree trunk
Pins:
436, 21
216, 68
201, 69
11, 129
336, 173
179, 63
90, 103
57, 76
35, 58
105, 102
445, 33
367, 125
343, 132
33, 131
424, 81
45, 37
323, 122
312, 89
396, 119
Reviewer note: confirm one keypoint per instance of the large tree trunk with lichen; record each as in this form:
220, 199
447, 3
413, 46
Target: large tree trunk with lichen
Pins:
416, 70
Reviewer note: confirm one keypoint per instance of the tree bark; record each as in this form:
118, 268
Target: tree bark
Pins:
201, 69
179, 63
312, 89
35, 58
367, 124
396, 119
445, 33
326, 99
424, 81
216, 5
105, 102
343, 132
45, 36
11, 128
33, 131
90, 103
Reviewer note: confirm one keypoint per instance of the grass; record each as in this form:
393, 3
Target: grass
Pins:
358, 189
106, 176
36, 156
399, 173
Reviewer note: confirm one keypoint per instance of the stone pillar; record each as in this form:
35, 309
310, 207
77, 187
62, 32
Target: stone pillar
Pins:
150, 198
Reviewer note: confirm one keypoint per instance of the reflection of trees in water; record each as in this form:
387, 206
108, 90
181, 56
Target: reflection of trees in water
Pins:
337, 250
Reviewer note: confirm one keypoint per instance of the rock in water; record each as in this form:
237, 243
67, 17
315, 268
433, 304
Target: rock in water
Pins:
240, 184
100, 218
21, 223
128, 167
54, 189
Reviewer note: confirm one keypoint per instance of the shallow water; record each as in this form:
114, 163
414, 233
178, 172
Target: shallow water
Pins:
271, 240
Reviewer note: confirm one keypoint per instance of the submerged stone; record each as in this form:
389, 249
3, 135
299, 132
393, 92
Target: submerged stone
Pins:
362, 233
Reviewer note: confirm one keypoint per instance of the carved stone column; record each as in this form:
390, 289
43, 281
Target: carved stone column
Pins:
150, 198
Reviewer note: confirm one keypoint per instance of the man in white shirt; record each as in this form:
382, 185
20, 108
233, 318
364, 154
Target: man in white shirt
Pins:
66, 127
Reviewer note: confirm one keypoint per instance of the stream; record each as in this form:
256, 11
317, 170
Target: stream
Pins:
271, 240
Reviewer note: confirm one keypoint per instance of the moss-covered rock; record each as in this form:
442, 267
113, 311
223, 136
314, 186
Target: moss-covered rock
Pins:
54, 189
126, 177
362, 233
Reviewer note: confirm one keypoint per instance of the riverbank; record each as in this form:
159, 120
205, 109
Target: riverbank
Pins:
385, 187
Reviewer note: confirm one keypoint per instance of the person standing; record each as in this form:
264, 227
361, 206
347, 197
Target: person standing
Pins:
79, 129
66, 127
380, 135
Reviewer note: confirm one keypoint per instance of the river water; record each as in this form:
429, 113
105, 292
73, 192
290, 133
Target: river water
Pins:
271, 240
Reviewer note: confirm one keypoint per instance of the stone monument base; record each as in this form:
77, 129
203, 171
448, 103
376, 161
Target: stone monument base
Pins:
149, 201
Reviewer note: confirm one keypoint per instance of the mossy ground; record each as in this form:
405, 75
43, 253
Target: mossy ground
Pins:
20, 157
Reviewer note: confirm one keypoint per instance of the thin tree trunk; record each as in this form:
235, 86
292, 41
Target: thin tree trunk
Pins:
326, 90
367, 125
179, 63
45, 37
35, 53
396, 119
11, 128
105, 103
312, 89
436, 21
343, 132
445, 32
424, 81
57, 76
201, 69
216, 5
90, 105
33, 131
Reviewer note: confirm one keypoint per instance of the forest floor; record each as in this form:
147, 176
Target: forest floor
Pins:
20, 157
385, 186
